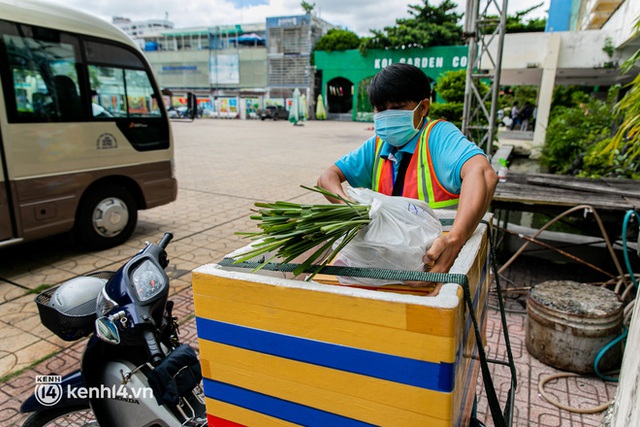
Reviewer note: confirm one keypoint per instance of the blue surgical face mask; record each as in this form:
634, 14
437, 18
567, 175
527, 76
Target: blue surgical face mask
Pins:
395, 127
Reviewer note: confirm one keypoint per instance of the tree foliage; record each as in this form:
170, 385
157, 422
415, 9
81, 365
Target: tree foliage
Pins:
569, 96
517, 23
574, 131
450, 86
308, 7
623, 150
439, 26
427, 26
337, 39
450, 111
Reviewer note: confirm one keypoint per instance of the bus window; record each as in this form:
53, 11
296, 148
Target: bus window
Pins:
122, 93
119, 82
44, 84
108, 93
140, 95
108, 54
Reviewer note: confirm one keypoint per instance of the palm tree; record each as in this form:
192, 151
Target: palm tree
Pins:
627, 137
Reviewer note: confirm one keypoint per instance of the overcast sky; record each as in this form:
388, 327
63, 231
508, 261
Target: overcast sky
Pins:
356, 15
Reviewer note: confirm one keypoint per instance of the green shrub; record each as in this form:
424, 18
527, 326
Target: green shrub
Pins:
569, 96
451, 111
451, 85
619, 164
338, 39
573, 131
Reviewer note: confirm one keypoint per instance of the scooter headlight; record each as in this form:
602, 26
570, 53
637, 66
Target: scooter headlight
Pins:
104, 304
148, 281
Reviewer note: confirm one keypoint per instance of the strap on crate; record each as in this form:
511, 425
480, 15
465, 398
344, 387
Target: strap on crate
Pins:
500, 418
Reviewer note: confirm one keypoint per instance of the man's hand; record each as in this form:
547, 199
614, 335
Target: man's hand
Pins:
479, 181
442, 254
331, 180
439, 258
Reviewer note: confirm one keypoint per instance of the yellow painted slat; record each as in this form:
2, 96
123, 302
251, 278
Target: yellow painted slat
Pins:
303, 393
388, 314
475, 271
427, 320
465, 408
221, 358
243, 416
399, 288
337, 331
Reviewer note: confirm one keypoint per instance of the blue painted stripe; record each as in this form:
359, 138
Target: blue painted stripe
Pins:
277, 408
418, 373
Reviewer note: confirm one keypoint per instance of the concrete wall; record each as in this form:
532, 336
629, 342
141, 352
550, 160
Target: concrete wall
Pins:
180, 69
622, 21
581, 49
190, 68
253, 68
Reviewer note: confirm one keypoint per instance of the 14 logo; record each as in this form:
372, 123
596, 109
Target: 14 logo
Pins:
48, 394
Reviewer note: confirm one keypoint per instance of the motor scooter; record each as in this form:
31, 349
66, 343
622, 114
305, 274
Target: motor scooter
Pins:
134, 370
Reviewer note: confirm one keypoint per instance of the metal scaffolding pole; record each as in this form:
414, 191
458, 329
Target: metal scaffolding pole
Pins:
485, 25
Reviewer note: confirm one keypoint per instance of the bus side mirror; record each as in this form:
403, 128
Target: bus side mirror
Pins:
192, 105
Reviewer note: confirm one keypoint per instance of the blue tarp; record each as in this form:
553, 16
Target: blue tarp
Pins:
251, 38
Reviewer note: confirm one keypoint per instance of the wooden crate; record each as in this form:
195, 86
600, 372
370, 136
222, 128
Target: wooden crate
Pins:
281, 352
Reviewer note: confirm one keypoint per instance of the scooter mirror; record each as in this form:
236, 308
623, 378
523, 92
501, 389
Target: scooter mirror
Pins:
107, 330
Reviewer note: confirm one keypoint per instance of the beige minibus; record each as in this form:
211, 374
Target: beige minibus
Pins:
84, 138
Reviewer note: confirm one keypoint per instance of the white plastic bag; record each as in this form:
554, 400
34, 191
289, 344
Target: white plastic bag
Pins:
400, 232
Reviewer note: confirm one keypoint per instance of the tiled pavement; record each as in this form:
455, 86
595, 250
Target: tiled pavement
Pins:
530, 408
223, 167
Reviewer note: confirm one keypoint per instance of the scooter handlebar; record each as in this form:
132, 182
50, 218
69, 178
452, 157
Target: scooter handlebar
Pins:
164, 242
154, 351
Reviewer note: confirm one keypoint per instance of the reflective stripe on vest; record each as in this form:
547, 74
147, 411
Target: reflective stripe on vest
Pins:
420, 180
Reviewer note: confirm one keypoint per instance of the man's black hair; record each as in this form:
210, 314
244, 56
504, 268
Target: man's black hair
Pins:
398, 83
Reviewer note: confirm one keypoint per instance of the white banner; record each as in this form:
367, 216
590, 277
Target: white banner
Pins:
225, 68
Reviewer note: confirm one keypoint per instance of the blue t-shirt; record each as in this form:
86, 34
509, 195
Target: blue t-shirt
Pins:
449, 148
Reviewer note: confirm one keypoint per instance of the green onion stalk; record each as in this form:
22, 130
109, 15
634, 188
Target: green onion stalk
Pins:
288, 230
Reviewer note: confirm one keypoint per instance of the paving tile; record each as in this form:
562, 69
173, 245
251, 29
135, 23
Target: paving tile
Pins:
91, 262
8, 363
28, 322
9, 292
26, 352
45, 275
19, 309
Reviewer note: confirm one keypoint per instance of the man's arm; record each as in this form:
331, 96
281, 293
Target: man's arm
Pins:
331, 180
479, 181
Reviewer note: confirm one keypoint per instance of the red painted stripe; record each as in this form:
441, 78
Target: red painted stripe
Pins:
214, 421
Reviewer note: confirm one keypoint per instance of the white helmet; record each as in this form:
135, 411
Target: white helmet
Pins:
77, 297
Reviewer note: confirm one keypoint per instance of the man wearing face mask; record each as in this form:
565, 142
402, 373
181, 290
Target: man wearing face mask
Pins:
412, 157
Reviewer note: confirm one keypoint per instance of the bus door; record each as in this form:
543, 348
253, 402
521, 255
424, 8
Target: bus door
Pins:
5, 212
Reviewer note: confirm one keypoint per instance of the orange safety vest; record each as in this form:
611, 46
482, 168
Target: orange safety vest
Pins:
420, 180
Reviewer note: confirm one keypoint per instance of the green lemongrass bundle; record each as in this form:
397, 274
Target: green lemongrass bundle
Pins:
288, 230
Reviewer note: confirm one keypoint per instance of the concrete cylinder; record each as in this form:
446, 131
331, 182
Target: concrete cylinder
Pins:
568, 323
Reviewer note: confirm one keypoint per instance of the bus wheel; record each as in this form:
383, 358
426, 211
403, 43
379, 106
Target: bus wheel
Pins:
107, 217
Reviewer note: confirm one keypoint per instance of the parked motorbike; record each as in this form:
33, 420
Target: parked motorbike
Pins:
134, 370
